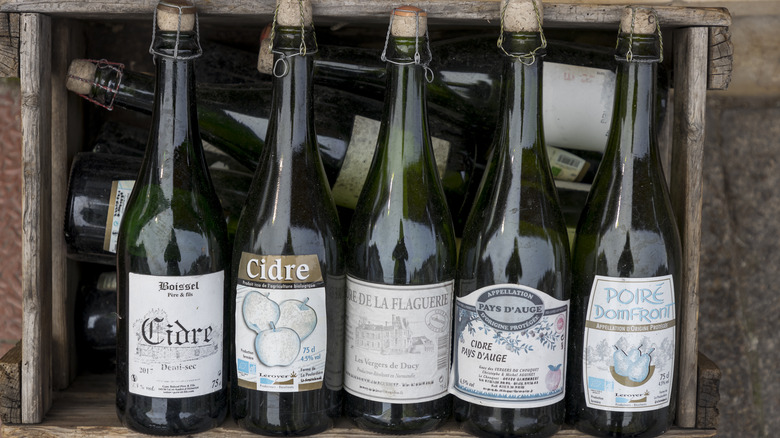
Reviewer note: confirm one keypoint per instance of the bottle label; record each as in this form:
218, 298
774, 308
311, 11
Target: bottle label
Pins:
398, 341
360, 153
281, 327
566, 166
510, 347
176, 333
629, 344
120, 192
577, 106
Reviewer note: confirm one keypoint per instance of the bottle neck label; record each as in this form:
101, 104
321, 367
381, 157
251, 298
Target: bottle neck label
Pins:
360, 154
176, 331
120, 192
629, 344
398, 341
510, 347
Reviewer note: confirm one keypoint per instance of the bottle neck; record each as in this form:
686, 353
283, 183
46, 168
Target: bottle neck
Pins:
522, 97
291, 125
174, 141
116, 86
633, 119
404, 124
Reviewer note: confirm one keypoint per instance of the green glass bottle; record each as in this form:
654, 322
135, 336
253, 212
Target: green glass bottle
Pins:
171, 259
512, 310
626, 264
401, 264
288, 276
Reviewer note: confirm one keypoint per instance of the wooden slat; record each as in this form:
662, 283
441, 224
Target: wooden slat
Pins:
690, 85
11, 386
35, 78
477, 10
88, 410
66, 114
708, 394
721, 58
9, 45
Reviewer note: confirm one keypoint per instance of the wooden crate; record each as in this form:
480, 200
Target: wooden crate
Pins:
51, 119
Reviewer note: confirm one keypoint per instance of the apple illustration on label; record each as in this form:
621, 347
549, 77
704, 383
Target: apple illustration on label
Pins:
298, 316
259, 310
277, 346
554, 377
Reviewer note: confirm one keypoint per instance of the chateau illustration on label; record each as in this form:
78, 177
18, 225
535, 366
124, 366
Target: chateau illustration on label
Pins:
391, 337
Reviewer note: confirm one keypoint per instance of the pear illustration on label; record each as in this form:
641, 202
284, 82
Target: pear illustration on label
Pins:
298, 316
259, 310
277, 346
632, 368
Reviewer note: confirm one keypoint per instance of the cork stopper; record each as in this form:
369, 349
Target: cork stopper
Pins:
81, 76
644, 22
520, 15
291, 12
265, 59
168, 12
405, 22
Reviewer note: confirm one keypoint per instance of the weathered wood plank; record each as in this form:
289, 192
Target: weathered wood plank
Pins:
35, 78
708, 394
9, 45
485, 11
65, 115
690, 85
721, 55
11, 386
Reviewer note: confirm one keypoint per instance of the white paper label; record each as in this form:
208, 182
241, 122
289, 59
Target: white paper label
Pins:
176, 332
360, 153
566, 166
120, 192
398, 341
629, 344
281, 326
510, 347
577, 107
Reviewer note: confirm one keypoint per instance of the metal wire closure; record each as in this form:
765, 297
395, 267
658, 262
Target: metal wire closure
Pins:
417, 57
175, 55
103, 65
303, 50
630, 54
525, 58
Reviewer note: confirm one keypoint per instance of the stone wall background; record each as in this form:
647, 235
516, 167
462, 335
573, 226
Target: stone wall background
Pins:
740, 221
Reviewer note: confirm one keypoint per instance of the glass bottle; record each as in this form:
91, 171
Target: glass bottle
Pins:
512, 307
288, 276
401, 264
171, 259
626, 264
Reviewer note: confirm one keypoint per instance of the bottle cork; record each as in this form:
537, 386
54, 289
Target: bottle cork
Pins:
81, 74
168, 12
292, 12
265, 59
643, 23
520, 15
405, 21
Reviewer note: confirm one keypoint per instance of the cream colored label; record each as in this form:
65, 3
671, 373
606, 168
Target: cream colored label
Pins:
360, 154
566, 166
120, 192
398, 341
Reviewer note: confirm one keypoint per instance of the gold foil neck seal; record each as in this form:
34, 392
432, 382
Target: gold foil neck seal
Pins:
638, 20
168, 12
521, 16
292, 12
405, 22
